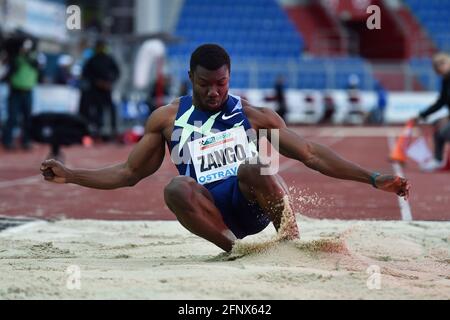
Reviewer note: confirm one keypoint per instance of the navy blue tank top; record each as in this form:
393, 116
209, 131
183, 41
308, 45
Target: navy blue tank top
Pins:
209, 146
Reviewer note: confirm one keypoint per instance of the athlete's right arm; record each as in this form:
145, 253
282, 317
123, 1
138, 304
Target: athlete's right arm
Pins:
144, 160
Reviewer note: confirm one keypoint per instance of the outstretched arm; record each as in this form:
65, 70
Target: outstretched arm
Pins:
144, 160
321, 158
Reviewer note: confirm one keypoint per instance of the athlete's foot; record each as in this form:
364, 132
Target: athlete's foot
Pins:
288, 229
285, 222
288, 233
231, 240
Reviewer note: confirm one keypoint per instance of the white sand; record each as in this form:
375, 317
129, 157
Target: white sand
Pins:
161, 260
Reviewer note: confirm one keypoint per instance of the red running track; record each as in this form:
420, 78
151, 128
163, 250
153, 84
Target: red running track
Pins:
24, 193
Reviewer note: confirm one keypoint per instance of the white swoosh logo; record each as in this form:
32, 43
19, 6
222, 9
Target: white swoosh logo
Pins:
224, 117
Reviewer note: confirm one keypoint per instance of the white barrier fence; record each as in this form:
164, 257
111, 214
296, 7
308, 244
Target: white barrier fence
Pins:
46, 98
307, 106
401, 105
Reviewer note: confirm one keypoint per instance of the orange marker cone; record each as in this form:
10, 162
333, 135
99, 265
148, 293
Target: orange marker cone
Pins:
398, 154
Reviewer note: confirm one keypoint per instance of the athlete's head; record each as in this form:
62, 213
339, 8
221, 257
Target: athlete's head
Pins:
210, 75
441, 64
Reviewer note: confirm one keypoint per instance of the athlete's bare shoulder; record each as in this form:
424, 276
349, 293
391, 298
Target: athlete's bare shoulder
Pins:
262, 118
163, 117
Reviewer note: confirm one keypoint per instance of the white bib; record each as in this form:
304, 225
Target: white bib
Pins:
218, 156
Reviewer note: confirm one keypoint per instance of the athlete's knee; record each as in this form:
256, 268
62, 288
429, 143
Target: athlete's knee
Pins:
270, 185
249, 170
252, 176
179, 191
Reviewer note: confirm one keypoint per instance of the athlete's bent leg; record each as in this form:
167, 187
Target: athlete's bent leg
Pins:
195, 210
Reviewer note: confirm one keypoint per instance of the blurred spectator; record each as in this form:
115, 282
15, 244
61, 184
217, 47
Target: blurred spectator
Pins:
441, 65
310, 107
22, 77
184, 89
353, 82
279, 97
160, 92
355, 113
98, 77
329, 108
376, 115
64, 74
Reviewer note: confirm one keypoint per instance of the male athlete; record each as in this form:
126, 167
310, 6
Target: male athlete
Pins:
221, 194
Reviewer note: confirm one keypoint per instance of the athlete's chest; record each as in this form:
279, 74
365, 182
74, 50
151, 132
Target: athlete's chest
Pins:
218, 155
213, 145
192, 122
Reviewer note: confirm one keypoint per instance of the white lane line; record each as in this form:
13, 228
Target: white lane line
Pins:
405, 208
27, 180
22, 228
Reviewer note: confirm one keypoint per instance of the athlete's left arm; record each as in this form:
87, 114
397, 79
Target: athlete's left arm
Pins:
319, 157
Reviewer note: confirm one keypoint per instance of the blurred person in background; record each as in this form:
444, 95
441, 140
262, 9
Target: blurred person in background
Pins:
355, 114
22, 77
441, 64
98, 77
64, 74
160, 92
279, 97
329, 108
376, 115
184, 89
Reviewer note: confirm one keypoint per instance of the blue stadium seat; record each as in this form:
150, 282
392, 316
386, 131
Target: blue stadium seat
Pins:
422, 68
250, 28
434, 16
257, 31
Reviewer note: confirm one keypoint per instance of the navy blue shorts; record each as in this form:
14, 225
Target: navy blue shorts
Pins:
243, 217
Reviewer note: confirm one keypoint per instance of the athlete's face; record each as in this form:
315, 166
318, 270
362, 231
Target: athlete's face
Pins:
210, 87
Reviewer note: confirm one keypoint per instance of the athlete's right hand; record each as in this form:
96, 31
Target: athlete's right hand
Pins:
54, 171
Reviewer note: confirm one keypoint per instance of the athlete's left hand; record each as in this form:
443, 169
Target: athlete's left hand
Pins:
395, 184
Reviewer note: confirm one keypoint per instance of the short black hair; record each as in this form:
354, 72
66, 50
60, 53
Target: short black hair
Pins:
210, 56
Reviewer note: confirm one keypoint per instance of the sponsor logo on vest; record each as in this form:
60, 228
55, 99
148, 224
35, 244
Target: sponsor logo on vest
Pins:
224, 117
218, 175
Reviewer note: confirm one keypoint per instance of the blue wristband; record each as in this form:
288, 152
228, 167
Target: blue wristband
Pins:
373, 177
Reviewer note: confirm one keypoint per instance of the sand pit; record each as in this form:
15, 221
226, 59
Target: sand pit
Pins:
161, 260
